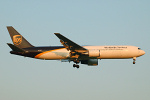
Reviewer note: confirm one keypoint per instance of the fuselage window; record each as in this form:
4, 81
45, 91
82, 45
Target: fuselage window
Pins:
139, 48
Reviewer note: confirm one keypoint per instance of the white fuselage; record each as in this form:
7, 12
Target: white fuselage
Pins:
106, 52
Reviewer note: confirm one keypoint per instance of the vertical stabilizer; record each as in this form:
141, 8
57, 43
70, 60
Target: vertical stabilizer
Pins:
18, 39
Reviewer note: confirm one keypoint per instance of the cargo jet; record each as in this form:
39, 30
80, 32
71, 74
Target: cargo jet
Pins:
71, 51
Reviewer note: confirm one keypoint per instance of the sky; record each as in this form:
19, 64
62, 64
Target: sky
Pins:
86, 22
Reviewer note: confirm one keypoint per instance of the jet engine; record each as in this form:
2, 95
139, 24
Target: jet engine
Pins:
90, 62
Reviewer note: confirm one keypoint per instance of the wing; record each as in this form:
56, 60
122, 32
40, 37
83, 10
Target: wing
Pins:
68, 44
75, 49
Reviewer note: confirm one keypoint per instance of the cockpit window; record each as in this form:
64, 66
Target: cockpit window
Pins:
139, 48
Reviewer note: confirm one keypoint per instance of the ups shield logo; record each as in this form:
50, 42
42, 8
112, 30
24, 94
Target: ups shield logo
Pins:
17, 39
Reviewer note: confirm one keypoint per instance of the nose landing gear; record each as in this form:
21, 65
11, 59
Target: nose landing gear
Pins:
134, 59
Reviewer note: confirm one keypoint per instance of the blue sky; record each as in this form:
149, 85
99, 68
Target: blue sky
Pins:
86, 22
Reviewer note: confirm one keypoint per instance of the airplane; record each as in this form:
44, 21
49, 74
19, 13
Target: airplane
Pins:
71, 51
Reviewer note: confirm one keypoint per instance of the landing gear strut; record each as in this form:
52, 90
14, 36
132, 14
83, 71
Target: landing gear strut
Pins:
134, 59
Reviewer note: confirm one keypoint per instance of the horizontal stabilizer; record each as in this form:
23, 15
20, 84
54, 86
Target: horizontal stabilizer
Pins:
14, 48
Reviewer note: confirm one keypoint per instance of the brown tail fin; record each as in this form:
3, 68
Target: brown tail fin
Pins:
18, 39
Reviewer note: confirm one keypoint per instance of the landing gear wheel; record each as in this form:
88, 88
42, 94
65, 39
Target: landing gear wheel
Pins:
133, 62
77, 66
74, 65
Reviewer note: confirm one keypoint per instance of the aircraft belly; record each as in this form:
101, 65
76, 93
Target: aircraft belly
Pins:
53, 55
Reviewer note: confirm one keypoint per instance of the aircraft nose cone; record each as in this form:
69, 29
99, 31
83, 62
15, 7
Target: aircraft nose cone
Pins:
142, 52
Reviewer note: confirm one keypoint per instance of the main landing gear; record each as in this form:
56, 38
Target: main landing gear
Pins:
134, 59
75, 65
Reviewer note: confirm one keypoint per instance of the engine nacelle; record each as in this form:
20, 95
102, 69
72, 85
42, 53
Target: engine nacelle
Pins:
94, 53
90, 62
